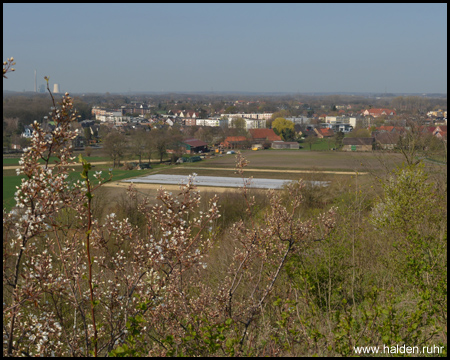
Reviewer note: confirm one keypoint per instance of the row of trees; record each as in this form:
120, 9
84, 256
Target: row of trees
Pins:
141, 144
144, 144
28, 108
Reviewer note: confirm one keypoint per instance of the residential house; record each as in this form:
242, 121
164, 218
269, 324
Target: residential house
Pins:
14, 146
339, 127
189, 121
193, 145
28, 132
186, 114
437, 113
441, 132
378, 112
192, 114
235, 142
285, 145
79, 142
305, 131
385, 140
323, 133
390, 129
358, 144
427, 130
144, 109
135, 108
261, 136
87, 123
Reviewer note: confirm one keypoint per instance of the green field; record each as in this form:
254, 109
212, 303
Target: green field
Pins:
11, 180
15, 161
319, 145
9, 188
308, 160
377, 163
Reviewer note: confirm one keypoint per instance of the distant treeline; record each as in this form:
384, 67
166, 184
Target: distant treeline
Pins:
28, 108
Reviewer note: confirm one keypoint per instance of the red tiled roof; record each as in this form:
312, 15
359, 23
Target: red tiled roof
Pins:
386, 128
267, 134
235, 138
326, 132
429, 129
195, 142
191, 114
380, 111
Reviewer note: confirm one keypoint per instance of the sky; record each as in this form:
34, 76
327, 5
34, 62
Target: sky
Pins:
296, 48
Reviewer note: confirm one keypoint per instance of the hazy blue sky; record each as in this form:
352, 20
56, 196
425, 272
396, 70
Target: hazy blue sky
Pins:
228, 47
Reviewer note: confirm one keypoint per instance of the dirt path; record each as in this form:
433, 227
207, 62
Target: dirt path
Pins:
142, 186
285, 171
13, 167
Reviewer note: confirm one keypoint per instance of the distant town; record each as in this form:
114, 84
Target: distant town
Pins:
193, 123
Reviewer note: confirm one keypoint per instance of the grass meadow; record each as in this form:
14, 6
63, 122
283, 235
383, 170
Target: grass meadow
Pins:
11, 180
280, 163
281, 160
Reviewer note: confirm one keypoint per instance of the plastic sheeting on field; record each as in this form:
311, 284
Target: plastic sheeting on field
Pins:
217, 181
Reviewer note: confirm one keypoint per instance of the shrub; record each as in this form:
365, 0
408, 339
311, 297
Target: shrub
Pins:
77, 285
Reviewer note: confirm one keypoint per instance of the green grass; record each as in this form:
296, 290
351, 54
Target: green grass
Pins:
437, 159
305, 160
15, 161
319, 145
11, 180
9, 188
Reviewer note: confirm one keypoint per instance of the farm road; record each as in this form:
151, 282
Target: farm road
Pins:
285, 171
12, 167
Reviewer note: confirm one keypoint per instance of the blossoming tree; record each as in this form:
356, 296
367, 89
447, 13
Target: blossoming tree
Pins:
75, 285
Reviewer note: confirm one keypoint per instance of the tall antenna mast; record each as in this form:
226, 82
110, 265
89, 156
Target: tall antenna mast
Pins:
35, 81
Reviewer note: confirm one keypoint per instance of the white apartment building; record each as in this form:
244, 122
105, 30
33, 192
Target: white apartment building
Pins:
260, 116
115, 117
212, 122
341, 119
250, 123
301, 120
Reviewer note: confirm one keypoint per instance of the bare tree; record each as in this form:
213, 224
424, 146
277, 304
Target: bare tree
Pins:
138, 143
115, 145
413, 142
160, 140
